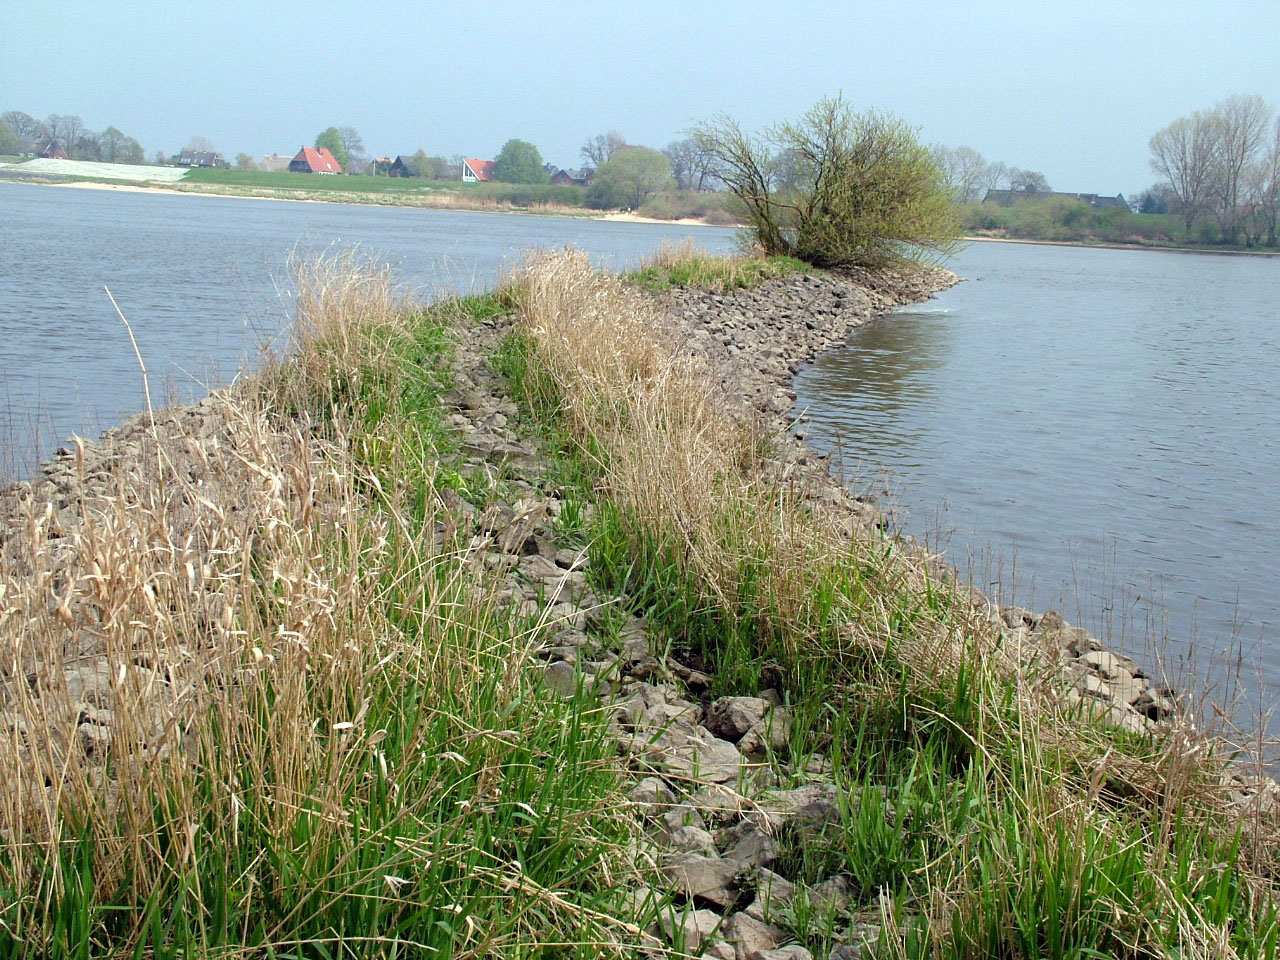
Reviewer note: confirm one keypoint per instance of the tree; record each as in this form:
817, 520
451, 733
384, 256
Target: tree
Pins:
690, 166
331, 140
1157, 198
865, 191
519, 162
30, 131
10, 142
600, 149
1241, 127
1185, 153
630, 178
200, 144
352, 146
1028, 181
245, 162
966, 171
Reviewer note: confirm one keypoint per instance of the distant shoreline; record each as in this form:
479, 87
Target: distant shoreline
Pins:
1106, 245
176, 190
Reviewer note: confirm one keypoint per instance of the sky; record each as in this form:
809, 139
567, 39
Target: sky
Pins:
1071, 89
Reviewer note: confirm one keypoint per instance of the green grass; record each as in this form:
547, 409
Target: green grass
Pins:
390, 188
981, 826
686, 266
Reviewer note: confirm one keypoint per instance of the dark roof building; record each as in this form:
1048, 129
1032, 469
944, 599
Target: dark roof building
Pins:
573, 178
314, 160
201, 158
402, 167
1007, 198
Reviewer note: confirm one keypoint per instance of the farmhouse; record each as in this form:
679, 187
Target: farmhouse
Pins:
477, 171
201, 158
1007, 198
314, 160
573, 178
402, 167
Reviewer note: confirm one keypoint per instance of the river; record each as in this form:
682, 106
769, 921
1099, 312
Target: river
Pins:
204, 283
1089, 430
1092, 430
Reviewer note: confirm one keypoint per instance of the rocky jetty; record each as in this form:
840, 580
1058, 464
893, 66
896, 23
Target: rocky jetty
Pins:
715, 791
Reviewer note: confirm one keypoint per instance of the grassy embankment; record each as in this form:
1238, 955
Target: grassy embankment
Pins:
1064, 220
328, 740
444, 194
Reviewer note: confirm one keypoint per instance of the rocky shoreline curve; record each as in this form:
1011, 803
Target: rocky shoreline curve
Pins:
707, 793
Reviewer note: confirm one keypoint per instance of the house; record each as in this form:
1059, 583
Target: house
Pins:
53, 151
1007, 198
476, 171
573, 178
314, 160
402, 167
201, 158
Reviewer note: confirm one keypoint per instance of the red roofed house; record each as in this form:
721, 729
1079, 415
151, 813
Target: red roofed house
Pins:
477, 171
314, 160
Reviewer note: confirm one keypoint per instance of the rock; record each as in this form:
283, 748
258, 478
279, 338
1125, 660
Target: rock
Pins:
678, 817
705, 757
692, 840
688, 930
834, 894
751, 935
702, 878
1109, 665
782, 953
770, 734
814, 803
653, 792
95, 740
720, 950
731, 717
754, 848
561, 678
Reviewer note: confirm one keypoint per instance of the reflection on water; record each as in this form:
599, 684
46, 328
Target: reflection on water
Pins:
1094, 426
204, 282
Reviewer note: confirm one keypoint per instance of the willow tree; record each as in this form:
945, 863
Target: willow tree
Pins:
836, 188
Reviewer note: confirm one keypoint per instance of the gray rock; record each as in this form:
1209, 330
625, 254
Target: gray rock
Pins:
750, 935
731, 717
692, 840
561, 678
678, 817
689, 929
833, 894
709, 879
754, 848
653, 792
705, 757
720, 950
782, 953
770, 734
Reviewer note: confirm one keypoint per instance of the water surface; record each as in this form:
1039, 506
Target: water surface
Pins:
1091, 430
204, 283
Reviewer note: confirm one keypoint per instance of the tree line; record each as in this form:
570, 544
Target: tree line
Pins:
21, 133
1221, 171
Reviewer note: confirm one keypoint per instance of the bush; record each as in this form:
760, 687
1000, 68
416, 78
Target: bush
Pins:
836, 188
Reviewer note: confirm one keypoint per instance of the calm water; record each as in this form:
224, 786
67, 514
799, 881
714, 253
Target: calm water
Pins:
1092, 430
203, 281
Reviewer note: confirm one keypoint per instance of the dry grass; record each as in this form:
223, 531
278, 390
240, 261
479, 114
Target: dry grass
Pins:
1068, 833
253, 694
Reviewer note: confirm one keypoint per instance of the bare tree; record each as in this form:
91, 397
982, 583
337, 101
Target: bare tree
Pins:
997, 176
353, 146
691, 166
966, 171
30, 131
1185, 153
1263, 185
600, 149
1241, 127
1031, 182
200, 144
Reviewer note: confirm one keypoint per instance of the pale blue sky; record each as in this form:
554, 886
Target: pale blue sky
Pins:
1073, 89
